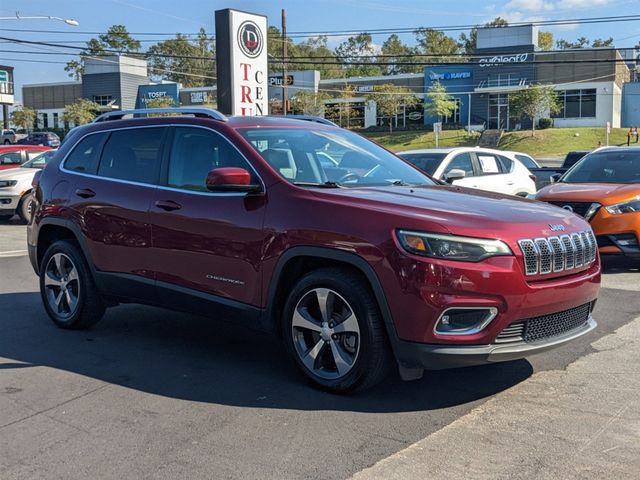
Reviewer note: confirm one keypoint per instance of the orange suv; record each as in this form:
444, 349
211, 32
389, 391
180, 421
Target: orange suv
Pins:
604, 188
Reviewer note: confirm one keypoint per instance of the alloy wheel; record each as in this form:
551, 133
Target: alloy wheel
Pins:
62, 285
326, 334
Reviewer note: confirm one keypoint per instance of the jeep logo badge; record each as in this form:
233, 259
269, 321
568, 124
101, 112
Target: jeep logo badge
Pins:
250, 39
557, 227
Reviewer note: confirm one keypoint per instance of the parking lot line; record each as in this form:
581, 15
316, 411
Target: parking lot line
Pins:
13, 253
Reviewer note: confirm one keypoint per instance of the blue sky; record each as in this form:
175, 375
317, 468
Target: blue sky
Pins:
171, 16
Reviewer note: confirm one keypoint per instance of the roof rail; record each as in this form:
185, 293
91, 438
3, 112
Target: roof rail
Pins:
309, 118
196, 112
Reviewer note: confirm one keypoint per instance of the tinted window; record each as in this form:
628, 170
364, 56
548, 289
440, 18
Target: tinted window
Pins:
11, 158
195, 152
461, 162
294, 152
505, 164
133, 155
572, 158
84, 157
427, 162
527, 161
606, 167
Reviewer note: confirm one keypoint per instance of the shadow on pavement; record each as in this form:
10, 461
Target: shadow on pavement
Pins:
199, 359
619, 264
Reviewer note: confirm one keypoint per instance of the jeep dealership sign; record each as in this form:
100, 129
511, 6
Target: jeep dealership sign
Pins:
241, 57
499, 59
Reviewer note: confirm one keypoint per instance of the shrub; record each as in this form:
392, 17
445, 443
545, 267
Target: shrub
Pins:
545, 123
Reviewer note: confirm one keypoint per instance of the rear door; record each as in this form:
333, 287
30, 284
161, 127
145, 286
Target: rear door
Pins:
116, 175
494, 173
205, 241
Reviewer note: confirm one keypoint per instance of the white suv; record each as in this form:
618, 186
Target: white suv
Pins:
481, 168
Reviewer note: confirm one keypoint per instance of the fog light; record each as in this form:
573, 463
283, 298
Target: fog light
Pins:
627, 240
464, 320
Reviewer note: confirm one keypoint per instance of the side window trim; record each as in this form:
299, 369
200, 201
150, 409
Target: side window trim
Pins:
163, 183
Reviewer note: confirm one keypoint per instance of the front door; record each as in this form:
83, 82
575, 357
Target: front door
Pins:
204, 241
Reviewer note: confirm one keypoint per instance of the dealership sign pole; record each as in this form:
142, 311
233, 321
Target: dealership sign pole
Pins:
241, 59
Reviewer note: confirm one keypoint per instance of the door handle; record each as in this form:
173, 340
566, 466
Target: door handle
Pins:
85, 193
168, 205
510, 183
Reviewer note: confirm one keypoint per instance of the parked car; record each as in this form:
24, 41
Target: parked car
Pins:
48, 139
7, 136
604, 189
12, 156
20, 134
352, 265
548, 175
480, 168
15, 186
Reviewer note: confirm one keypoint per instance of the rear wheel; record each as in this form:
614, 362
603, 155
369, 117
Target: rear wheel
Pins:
68, 291
333, 330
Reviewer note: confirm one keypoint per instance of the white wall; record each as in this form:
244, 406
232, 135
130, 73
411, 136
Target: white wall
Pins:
608, 105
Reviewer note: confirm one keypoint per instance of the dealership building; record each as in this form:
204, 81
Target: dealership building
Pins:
590, 82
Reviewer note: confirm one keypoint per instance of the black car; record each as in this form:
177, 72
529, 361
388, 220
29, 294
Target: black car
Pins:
48, 139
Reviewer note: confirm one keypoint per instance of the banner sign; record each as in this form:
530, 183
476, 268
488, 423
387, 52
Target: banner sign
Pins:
241, 57
153, 92
276, 81
449, 75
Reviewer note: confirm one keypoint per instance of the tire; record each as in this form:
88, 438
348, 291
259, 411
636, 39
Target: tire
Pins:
25, 208
77, 305
358, 343
7, 142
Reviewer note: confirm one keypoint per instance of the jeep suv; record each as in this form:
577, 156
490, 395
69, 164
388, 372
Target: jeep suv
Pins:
354, 263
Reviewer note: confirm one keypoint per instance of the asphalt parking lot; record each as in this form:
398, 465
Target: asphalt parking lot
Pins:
155, 394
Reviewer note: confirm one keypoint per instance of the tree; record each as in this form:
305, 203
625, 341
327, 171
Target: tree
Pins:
545, 41
81, 112
439, 103
191, 63
469, 42
160, 102
394, 51
434, 42
389, 98
533, 102
116, 40
309, 102
23, 118
581, 42
358, 55
599, 42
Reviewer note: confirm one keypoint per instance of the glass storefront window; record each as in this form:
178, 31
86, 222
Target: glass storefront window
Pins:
577, 104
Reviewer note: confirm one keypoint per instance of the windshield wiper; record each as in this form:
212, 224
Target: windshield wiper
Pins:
319, 185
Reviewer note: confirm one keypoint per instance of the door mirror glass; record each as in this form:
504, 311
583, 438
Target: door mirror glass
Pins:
232, 179
555, 177
455, 174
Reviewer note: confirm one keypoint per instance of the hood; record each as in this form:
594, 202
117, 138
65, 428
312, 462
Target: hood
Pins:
604, 193
18, 173
462, 211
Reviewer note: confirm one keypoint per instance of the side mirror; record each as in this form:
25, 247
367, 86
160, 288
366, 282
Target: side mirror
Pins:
555, 177
454, 174
230, 179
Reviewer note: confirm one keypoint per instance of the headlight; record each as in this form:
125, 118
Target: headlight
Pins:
8, 183
451, 247
625, 207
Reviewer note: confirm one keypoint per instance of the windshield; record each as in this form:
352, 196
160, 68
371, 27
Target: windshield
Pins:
427, 162
40, 161
331, 157
606, 167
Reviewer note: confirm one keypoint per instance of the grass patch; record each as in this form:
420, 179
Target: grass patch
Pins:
400, 141
556, 142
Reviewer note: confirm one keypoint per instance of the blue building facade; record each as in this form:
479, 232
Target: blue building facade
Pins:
458, 80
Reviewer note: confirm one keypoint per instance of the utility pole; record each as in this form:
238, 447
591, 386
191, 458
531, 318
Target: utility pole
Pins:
285, 93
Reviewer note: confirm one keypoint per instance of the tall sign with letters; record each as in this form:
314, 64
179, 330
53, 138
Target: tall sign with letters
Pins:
241, 57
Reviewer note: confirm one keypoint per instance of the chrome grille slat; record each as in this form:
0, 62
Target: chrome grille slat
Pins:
544, 255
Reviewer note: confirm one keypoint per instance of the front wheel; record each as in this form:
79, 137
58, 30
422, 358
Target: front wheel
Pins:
334, 332
67, 288
25, 209
7, 142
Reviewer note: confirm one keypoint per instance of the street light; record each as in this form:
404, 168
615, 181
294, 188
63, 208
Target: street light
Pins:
68, 21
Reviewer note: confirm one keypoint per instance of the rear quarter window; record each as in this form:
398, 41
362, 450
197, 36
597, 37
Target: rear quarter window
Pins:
85, 155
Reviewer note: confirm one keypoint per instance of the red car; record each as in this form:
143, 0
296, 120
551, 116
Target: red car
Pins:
12, 156
353, 263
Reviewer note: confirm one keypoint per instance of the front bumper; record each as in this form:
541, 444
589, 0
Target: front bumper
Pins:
438, 357
8, 203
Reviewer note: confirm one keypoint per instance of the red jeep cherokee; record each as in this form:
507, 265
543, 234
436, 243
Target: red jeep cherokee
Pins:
351, 255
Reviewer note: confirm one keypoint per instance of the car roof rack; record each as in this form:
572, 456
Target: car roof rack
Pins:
196, 112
